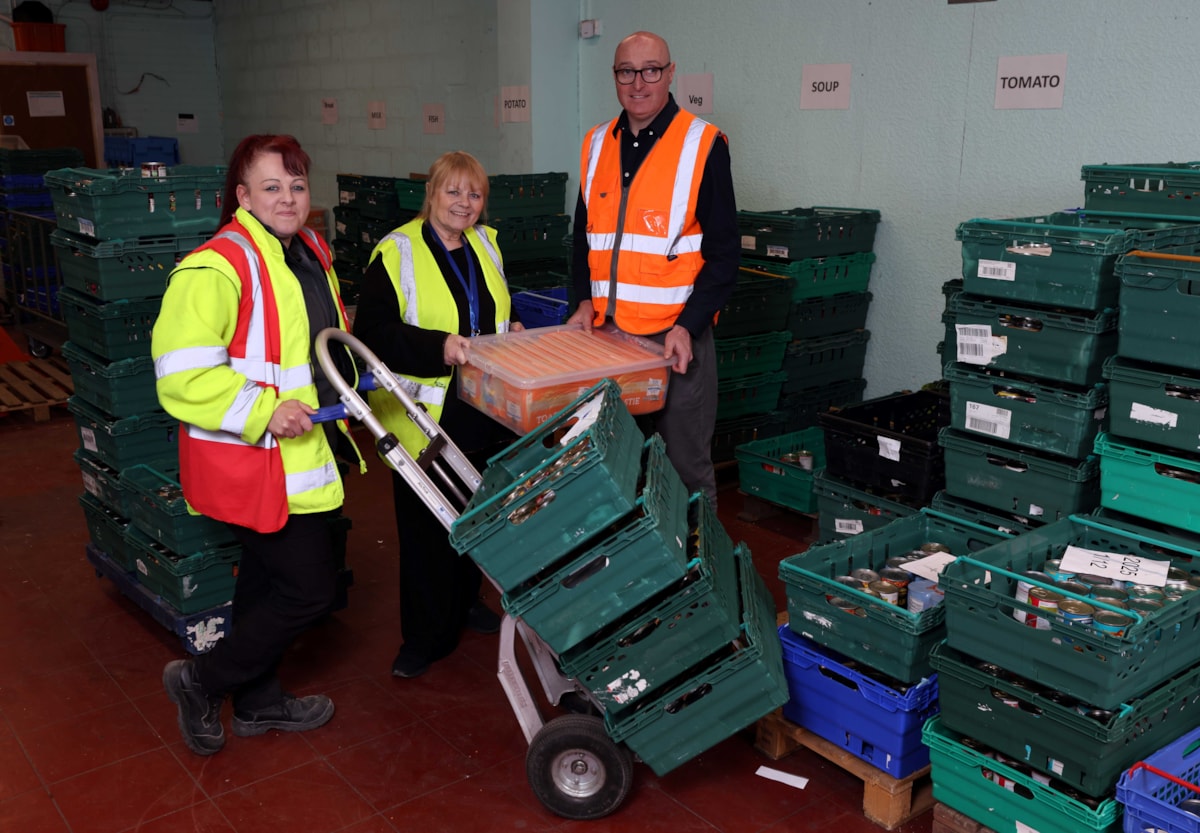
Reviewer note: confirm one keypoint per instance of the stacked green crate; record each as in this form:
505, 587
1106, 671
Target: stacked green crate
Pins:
528, 212
633, 584
369, 207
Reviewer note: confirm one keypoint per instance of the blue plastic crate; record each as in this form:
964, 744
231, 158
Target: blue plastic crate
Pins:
1152, 799
543, 308
868, 718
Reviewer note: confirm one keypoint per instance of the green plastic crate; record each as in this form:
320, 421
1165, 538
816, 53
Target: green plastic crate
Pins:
753, 394
526, 195
188, 582
812, 362
113, 270
759, 304
1169, 188
1061, 260
121, 388
1149, 483
884, 636
120, 204
804, 233
728, 434
1159, 307
160, 511
410, 193
763, 353
764, 472
1101, 669
959, 507
121, 442
654, 644
1044, 344
1153, 404
1020, 481
719, 697
1027, 722
845, 510
829, 314
113, 330
974, 784
802, 408
600, 582
530, 238
817, 277
1026, 413
553, 490
107, 530
103, 482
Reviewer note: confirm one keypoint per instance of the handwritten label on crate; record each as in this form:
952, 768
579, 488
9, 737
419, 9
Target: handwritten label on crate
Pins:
1154, 416
988, 419
889, 448
1115, 565
976, 344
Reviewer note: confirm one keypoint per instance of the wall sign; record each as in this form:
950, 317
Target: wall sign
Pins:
825, 87
376, 115
329, 111
1030, 82
433, 118
514, 104
695, 92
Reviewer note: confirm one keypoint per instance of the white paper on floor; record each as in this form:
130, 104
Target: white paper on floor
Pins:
798, 781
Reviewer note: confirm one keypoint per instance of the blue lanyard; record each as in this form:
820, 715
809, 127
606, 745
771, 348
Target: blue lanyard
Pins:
471, 287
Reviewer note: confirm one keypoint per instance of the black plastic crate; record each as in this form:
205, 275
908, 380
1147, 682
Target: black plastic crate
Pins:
829, 315
889, 443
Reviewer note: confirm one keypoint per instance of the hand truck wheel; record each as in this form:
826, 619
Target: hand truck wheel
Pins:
576, 770
39, 350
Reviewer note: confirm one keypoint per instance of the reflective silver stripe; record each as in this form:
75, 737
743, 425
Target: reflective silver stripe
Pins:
256, 335
601, 242
646, 244
490, 249
647, 294
598, 133
234, 419
296, 377
190, 358
428, 394
305, 481
312, 242
256, 370
684, 175
408, 280
197, 433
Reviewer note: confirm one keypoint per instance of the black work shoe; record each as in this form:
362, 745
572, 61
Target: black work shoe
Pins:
408, 665
199, 714
482, 619
291, 714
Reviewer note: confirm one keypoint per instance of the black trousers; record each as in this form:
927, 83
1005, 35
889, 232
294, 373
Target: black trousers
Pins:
437, 585
287, 580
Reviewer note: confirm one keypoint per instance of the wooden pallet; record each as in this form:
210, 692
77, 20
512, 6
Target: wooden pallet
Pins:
34, 386
887, 801
948, 820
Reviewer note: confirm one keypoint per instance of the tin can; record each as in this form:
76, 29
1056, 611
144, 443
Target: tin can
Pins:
898, 562
1110, 595
1005, 698
931, 547
218, 199
1098, 581
199, 200
1093, 713
1177, 577
1021, 593
890, 593
1040, 597
1075, 612
899, 578
1073, 586
843, 604
154, 170
864, 576
802, 458
1194, 580
1145, 607
1110, 622
150, 203
171, 201
1144, 591
1053, 568
1061, 698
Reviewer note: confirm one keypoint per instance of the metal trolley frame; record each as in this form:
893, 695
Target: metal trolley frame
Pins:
574, 768
35, 279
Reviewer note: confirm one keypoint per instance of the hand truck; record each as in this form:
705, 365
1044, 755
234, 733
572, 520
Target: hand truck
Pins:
574, 768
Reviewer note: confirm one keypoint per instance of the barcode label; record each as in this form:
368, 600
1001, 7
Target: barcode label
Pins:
777, 251
988, 419
997, 270
749, 241
976, 344
847, 526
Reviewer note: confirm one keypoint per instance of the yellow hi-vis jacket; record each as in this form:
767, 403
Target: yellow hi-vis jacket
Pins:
231, 342
426, 302
644, 241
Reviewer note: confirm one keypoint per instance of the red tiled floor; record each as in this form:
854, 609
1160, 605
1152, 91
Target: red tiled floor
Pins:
89, 742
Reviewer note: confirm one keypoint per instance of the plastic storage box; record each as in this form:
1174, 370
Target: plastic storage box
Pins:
1018, 481
1170, 188
522, 379
1101, 669
1152, 789
160, 511
121, 442
1057, 736
1026, 413
759, 304
1150, 483
601, 581
818, 277
526, 195
829, 314
1153, 404
114, 270
1002, 797
544, 308
728, 434
1060, 260
845, 510
553, 490
866, 628
1041, 343
969, 510
119, 204
825, 360
120, 388
753, 394
107, 530
771, 469
112, 330
761, 353
889, 443
800, 408
531, 238
803, 233
833, 697
1159, 308
188, 582
103, 482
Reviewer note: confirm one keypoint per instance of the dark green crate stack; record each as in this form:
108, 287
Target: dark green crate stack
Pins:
369, 207
633, 584
528, 213
119, 235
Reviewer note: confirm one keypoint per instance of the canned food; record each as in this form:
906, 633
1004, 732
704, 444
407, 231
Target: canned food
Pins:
805, 458
843, 604
931, 547
1109, 595
864, 576
899, 579
1098, 581
1110, 622
1075, 612
1053, 568
1093, 713
154, 170
897, 562
890, 593
1145, 607
1024, 586
1005, 698
1040, 597
1073, 586
1177, 577
1194, 580
1144, 591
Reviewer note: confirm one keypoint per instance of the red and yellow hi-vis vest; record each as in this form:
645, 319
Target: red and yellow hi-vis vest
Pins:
644, 243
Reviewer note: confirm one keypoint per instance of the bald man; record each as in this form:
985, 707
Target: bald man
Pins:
655, 243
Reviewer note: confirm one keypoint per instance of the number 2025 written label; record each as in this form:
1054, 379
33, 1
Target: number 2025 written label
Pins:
1115, 565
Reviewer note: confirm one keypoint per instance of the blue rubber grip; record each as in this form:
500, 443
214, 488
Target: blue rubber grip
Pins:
329, 413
